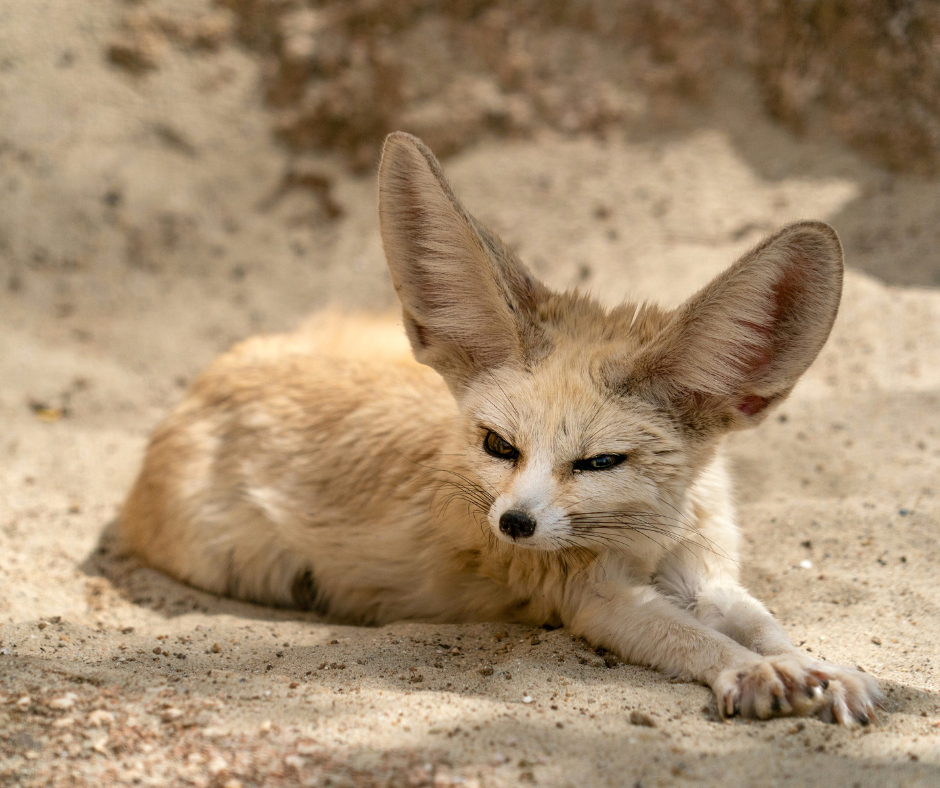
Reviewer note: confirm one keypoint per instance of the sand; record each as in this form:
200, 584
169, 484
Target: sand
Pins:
141, 233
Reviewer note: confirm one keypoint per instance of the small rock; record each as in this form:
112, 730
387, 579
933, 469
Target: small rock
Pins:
216, 648
876, 640
527, 699
806, 564
639, 718
486, 670
63, 703
170, 715
136, 53
24, 703
100, 717
23, 741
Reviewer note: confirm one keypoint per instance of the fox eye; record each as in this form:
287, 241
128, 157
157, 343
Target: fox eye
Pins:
602, 462
497, 447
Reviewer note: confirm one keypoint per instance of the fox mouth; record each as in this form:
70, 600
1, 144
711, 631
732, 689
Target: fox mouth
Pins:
615, 531
607, 530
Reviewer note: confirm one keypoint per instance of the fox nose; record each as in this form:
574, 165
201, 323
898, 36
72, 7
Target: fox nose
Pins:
516, 524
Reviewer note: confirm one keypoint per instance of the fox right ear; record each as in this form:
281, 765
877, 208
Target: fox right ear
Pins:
463, 295
738, 346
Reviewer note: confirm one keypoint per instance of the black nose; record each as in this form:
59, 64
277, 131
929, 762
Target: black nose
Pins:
516, 524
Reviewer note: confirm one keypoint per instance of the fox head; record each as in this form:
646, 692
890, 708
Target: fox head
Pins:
576, 417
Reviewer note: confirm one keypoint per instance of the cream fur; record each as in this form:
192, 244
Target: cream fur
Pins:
329, 470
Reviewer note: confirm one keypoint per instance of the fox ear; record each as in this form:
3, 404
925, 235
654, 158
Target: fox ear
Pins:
464, 296
739, 345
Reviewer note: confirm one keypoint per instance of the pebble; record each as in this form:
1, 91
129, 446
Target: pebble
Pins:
63, 703
100, 717
639, 718
806, 564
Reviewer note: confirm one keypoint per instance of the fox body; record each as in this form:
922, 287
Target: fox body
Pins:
524, 455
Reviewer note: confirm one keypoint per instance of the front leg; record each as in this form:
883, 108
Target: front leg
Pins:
730, 609
719, 602
645, 627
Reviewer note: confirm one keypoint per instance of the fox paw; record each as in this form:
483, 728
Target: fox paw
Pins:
791, 685
851, 695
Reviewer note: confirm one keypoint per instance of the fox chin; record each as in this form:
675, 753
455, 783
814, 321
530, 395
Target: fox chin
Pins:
516, 454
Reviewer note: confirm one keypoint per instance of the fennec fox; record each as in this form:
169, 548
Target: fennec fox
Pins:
553, 462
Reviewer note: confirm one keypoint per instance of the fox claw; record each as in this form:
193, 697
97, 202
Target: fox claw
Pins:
792, 685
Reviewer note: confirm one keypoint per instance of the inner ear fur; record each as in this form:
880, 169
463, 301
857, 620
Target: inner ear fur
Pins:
464, 296
740, 344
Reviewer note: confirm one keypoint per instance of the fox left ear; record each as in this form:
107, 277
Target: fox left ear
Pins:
739, 345
465, 298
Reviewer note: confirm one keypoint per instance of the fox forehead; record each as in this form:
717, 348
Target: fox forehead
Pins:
563, 407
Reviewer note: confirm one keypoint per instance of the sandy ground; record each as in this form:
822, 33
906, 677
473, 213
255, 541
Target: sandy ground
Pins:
140, 234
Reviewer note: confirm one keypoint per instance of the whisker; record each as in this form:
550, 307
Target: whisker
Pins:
629, 519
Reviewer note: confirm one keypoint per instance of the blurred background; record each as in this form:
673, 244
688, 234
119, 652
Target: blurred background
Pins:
177, 174
143, 140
